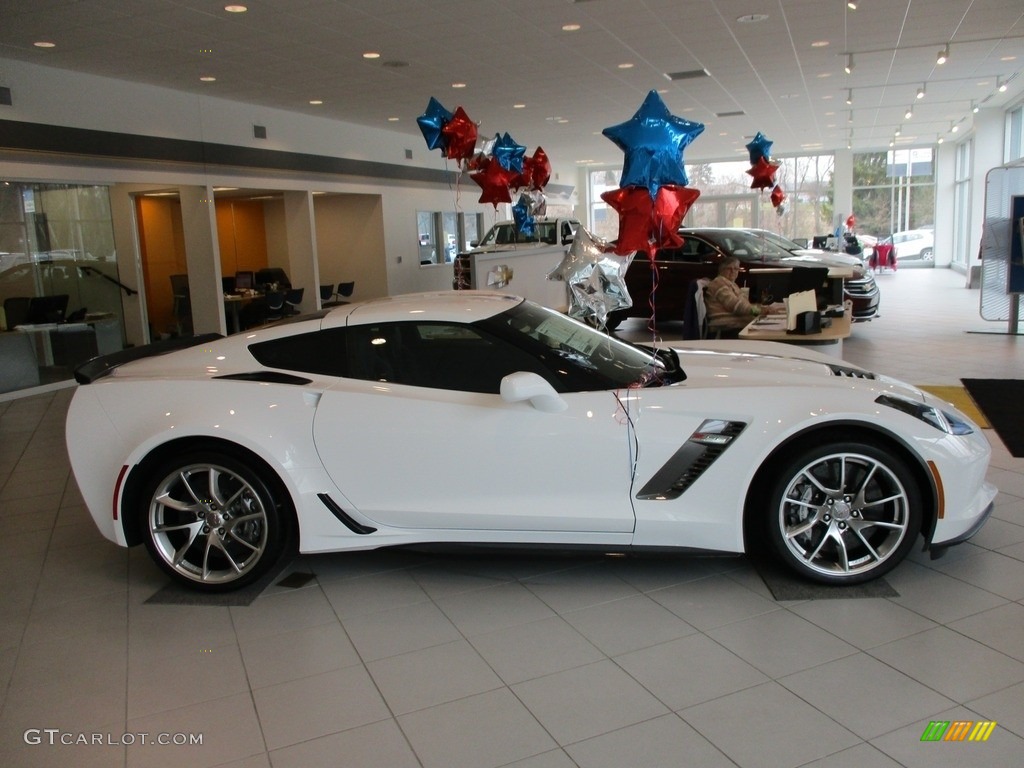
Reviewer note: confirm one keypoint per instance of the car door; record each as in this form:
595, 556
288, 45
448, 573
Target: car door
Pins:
418, 437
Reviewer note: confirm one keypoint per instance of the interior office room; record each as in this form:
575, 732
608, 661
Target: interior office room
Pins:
175, 169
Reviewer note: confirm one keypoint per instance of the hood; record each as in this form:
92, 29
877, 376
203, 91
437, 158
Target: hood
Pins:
828, 258
726, 364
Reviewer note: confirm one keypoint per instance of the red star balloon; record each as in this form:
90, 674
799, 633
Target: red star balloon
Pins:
763, 172
670, 207
541, 169
494, 181
634, 206
524, 179
778, 195
460, 135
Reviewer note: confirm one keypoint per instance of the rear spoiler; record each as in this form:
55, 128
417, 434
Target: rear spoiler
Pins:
98, 367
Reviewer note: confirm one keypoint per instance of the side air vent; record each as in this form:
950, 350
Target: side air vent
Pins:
267, 377
343, 517
850, 373
692, 460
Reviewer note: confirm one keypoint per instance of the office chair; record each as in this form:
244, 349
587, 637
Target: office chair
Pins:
344, 289
16, 310
292, 299
326, 291
275, 305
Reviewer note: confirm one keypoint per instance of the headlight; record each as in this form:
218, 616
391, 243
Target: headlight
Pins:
941, 420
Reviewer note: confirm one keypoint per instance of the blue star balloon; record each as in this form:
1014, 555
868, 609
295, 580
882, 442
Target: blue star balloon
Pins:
508, 153
432, 121
759, 147
521, 215
653, 140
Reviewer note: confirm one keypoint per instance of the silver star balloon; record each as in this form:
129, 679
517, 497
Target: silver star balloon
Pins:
596, 278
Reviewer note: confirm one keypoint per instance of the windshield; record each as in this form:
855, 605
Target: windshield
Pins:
506, 234
747, 245
580, 357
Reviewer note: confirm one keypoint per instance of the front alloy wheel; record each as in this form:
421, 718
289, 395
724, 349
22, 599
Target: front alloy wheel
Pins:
844, 514
212, 524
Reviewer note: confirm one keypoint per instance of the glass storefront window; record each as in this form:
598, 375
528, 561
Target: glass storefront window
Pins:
58, 274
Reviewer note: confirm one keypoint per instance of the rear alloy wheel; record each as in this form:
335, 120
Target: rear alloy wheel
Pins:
211, 523
927, 254
844, 513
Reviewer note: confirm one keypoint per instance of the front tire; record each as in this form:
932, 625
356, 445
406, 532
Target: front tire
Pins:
844, 513
211, 523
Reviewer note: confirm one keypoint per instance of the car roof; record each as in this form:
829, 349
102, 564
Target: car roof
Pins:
441, 306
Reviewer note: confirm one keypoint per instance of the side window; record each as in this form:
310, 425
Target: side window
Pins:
435, 355
319, 352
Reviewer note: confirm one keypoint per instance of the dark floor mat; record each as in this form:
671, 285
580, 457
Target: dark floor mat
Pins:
784, 585
1000, 401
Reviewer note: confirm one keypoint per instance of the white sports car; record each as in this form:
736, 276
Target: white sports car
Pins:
477, 418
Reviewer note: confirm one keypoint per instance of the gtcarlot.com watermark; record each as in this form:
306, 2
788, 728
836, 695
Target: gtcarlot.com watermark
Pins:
55, 736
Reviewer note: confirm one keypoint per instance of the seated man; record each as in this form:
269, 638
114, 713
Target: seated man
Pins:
728, 310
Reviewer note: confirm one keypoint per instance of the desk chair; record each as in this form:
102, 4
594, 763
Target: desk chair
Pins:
275, 305
292, 299
344, 289
16, 310
326, 291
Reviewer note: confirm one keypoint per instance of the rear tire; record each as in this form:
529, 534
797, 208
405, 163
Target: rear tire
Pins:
843, 513
211, 523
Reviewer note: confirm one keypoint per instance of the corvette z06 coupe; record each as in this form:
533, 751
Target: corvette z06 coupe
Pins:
482, 419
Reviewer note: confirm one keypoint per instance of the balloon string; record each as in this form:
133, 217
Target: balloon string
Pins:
652, 323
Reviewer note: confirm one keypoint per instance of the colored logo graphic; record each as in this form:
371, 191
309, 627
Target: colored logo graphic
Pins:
958, 730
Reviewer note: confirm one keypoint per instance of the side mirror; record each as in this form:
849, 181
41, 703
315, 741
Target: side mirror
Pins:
520, 386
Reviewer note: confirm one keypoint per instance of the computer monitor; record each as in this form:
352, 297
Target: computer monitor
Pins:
228, 284
46, 309
269, 275
245, 281
808, 279
768, 285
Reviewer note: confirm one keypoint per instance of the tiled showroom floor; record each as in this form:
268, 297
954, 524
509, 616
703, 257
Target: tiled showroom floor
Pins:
391, 660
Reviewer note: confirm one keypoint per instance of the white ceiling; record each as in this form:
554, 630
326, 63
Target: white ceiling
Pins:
284, 53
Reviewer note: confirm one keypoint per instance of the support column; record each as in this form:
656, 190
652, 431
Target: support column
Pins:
301, 261
202, 255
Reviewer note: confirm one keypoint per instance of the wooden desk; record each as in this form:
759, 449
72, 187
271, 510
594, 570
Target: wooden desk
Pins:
773, 328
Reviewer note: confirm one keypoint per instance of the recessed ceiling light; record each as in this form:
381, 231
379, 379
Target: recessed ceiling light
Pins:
1007, 58
392, 119
208, 79
570, 27
44, 44
235, 8
371, 55
562, 120
823, 75
752, 18
819, 44
316, 102
458, 85
518, 106
626, 65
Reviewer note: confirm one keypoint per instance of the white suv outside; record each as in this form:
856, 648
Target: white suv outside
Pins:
914, 244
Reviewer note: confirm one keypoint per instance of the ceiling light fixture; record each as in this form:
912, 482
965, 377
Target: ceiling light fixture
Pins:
898, 131
316, 102
849, 95
1000, 84
235, 8
974, 108
940, 139
909, 113
849, 63
458, 85
208, 79
953, 128
892, 144
943, 56
570, 27
920, 92
44, 44
371, 55
852, 5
